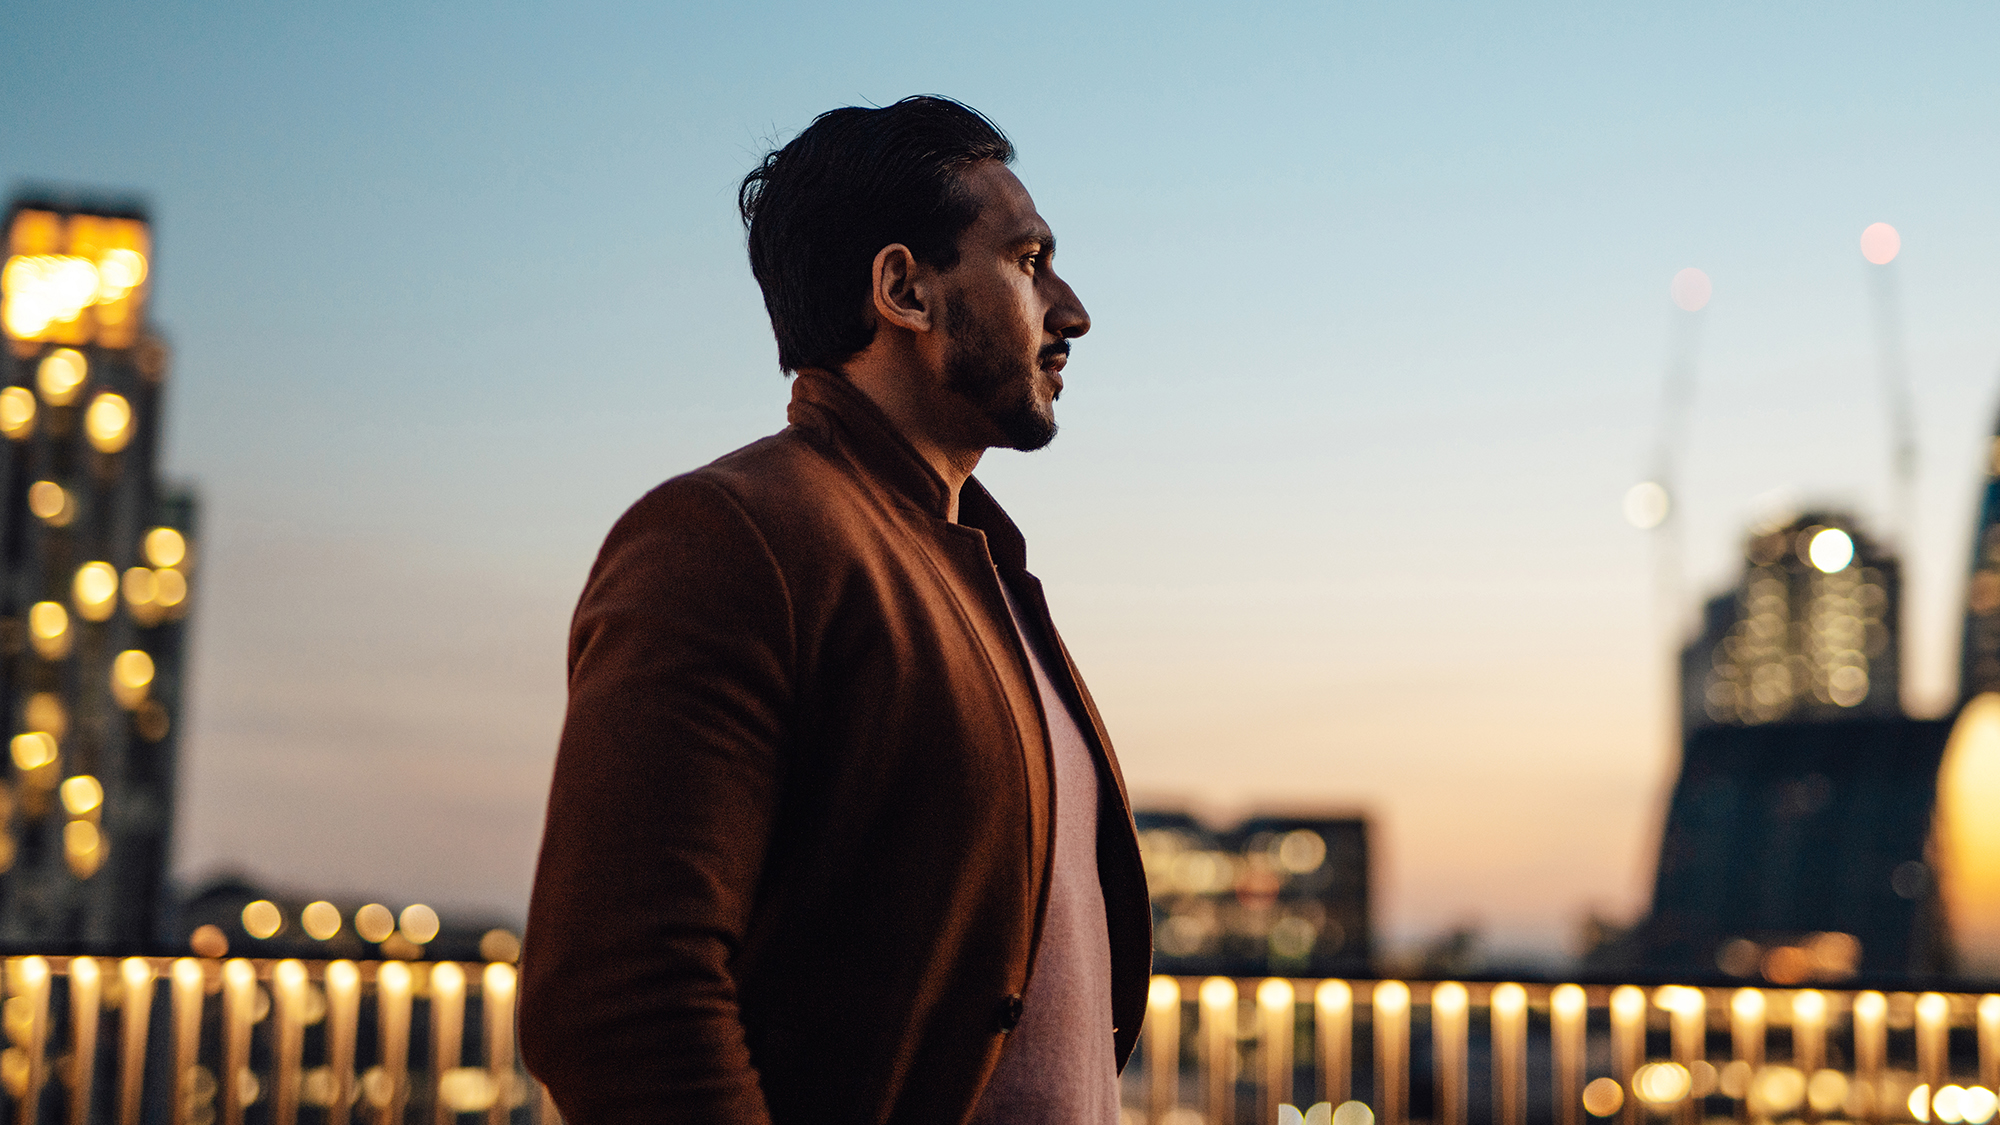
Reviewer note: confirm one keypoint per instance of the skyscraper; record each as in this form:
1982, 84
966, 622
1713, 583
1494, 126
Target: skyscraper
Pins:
94, 562
1795, 839
1979, 657
1809, 633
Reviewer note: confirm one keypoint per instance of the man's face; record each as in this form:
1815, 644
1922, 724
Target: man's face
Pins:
1007, 317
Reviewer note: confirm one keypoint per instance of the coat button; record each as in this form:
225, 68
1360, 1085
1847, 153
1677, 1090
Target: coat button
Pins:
1008, 1014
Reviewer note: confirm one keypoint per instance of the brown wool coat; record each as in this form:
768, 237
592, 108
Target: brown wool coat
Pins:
798, 839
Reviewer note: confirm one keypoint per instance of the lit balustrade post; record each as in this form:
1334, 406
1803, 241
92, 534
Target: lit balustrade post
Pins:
343, 1016
288, 988
1809, 1039
1218, 1049
1871, 1051
190, 982
1628, 1045
496, 1011
1391, 1012
392, 1009
1333, 1030
239, 1011
85, 988
1277, 1011
447, 1033
1569, 1008
29, 982
1163, 1049
1687, 1008
1933, 1029
1989, 1042
1449, 1025
1746, 1038
1509, 1011
135, 1019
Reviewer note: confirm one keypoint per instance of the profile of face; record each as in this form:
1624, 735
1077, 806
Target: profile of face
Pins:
1008, 319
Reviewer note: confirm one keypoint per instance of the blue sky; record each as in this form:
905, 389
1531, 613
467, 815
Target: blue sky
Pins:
1381, 314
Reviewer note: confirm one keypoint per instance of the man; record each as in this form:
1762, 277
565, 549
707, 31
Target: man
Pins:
836, 833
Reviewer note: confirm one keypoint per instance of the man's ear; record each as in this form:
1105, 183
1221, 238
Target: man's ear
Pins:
900, 288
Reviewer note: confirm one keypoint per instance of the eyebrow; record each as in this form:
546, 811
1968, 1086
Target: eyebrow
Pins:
1039, 236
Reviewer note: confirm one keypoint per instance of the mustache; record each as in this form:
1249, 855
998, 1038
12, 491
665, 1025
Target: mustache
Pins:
1051, 351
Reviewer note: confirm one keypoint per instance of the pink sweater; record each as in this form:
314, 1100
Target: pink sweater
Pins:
1059, 1066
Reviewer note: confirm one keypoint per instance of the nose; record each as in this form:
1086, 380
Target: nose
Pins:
1067, 317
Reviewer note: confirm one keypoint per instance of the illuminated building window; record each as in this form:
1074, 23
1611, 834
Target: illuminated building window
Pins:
17, 413
108, 422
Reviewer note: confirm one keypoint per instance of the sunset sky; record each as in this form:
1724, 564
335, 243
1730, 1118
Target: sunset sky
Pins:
1381, 317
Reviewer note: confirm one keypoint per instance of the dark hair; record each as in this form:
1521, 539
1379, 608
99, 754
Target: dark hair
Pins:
819, 209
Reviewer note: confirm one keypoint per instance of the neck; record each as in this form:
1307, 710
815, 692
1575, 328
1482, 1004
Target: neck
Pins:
916, 417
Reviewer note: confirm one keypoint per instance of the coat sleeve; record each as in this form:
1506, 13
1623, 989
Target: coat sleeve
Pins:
665, 787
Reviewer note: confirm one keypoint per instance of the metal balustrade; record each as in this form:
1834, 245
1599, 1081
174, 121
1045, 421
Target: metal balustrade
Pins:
189, 1041
1219, 1051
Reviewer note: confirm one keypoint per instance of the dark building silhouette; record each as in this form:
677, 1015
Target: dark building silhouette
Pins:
1795, 851
1274, 894
95, 559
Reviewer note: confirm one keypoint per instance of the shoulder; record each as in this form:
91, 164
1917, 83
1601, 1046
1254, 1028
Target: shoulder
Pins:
784, 489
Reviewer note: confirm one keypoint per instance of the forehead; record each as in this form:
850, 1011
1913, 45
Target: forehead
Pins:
1006, 210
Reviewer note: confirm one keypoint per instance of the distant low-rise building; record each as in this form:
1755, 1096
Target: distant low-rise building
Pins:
1274, 894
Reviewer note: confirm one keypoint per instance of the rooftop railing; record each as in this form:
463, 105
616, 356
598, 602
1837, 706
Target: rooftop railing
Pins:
190, 1041
1219, 1051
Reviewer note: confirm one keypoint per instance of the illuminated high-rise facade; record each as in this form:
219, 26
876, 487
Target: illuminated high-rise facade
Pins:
1794, 844
94, 588
1979, 658
1809, 633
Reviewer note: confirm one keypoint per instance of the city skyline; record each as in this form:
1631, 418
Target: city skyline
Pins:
1382, 311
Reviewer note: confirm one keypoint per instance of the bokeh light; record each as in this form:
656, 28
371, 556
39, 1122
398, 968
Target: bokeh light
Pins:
165, 547
374, 922
33, 749
1603, 1097
48, 630
1647, 505
50, 503
208, 940
1691, 289
45, 711
83, 847
82, 795
59, 375
95, 591
419, 923
1831, 550
108, 422
500, 945
1353, 1113
17, 412
131, 674
1880, 243
262, 919
320, 920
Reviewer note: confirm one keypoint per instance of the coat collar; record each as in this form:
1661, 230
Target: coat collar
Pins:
834, 411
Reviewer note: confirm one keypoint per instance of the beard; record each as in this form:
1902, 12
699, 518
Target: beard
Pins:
980, 368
